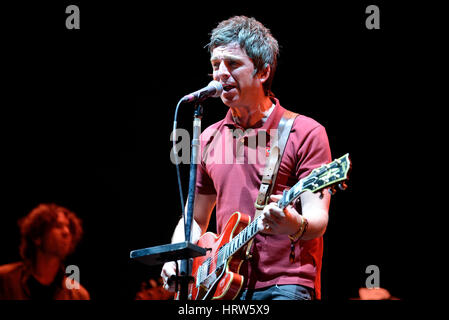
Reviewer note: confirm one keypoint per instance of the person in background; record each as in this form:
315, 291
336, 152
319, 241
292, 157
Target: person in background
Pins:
153, 290
49, 233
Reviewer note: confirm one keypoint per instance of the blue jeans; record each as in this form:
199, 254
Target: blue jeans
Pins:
279, 292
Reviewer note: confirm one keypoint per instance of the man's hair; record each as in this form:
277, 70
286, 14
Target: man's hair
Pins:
254, 38
40, 220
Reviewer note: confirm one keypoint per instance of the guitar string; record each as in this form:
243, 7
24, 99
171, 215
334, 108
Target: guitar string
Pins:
210, 259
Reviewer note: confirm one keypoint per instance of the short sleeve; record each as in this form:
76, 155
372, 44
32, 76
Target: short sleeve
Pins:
314, 152
204, 184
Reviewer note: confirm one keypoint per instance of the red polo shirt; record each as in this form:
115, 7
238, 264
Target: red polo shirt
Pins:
231, 166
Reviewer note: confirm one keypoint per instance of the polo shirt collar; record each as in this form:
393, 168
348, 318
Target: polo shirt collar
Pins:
273, 118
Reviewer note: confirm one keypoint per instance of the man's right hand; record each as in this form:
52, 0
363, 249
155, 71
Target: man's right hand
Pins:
204, 204
168, 273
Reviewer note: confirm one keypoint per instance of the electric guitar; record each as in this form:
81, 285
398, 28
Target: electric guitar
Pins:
216, 275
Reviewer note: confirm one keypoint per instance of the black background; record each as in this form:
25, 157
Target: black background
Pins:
87, 114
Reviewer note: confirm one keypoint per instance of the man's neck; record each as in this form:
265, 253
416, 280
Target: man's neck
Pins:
45, 268
248, 116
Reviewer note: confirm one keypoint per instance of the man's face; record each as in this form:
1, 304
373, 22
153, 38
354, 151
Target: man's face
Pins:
235, 70
57, 241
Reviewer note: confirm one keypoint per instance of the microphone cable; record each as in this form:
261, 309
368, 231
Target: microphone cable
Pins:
175, 153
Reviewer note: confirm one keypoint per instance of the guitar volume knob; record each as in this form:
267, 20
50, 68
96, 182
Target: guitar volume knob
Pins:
342, 186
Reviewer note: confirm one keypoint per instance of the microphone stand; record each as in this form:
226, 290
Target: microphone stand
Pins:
186, 264
183, 251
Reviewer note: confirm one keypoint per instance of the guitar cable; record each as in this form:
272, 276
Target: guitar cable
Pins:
175, 153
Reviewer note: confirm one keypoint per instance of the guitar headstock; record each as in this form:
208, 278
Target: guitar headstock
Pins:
335, 172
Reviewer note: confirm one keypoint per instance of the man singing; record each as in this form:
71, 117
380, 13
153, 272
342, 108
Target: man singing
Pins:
286, 256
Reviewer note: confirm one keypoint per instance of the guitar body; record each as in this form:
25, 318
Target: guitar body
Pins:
226, 282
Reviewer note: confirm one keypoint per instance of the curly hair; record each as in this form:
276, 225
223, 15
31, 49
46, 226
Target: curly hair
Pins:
40, 220
254, 38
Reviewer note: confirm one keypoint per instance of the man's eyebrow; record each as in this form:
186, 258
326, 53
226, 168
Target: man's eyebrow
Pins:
224, 57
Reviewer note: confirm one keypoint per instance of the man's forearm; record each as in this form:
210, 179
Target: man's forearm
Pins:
179, 236
317, 224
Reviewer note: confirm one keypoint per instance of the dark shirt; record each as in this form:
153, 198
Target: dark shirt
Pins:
17, 283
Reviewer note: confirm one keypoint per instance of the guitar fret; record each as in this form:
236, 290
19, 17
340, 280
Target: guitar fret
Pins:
253, 227
250, 230
288, 197
238, 241
225, 254
220, 257
204, 270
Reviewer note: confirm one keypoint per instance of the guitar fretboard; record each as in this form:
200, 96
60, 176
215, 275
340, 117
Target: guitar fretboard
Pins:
291, 195
238, 242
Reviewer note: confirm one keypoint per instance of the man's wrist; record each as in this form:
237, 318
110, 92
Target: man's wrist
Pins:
300, 231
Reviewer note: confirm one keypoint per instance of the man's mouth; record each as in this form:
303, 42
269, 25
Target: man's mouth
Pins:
228, 87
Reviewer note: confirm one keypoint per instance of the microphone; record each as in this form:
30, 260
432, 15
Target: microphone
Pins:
213, 89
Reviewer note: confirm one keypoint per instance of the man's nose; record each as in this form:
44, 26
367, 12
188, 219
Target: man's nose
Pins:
223, 72
66, 231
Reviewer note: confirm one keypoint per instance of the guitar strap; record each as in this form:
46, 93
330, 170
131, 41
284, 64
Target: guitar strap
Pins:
277, 147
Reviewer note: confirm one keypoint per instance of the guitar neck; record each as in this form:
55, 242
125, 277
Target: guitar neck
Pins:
252, 229
292, 194
239, 241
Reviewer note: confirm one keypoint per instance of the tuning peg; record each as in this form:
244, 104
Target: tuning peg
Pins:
342, 186
332, 191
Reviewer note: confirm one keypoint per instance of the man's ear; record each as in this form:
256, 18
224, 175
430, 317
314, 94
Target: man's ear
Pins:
264, 74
